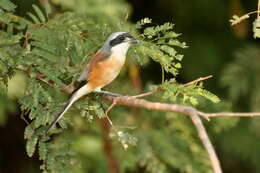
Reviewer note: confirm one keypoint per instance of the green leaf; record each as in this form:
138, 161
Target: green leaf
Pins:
29, 131
33, 113
171, 51
40, 118
177, 43
50, 73
42, 150
34, 18
171, 34
142, 22
178, 65
26, 102
9, 40
63, 123
100, 112
48, 9
126, 139
179, 57
208, 95
44, 46
48, 56
7, 5
193, 101
31, 145
39, 13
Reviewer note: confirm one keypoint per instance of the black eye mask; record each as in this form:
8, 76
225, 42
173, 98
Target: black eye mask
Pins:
120, 39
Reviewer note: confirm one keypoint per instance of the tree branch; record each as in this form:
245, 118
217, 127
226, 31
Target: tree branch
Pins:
229, 114
206, 142
193, 113
185, 110
197, 80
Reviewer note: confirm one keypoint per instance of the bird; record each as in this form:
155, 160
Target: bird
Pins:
101, 70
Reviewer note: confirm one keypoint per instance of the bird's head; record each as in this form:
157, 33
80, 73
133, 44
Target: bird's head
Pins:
119, 42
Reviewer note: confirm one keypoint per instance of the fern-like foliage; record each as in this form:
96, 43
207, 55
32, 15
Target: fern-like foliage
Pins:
160, 45
241, 80
238, 76
52, 51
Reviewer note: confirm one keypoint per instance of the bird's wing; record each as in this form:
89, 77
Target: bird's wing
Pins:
98, 57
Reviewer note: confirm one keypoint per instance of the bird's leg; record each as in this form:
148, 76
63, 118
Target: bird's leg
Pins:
106, 113
109, 108
107, 93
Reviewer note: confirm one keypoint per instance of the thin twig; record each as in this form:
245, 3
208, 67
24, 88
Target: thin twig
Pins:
160, 88
237, 19
229, 114
258, 9
197, 80
24, 112
147, 93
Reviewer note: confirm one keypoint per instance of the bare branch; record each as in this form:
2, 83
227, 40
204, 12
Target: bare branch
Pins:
206, 142
229, 114
197, 80
147, 93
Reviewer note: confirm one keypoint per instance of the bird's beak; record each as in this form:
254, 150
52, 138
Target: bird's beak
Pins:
134, 41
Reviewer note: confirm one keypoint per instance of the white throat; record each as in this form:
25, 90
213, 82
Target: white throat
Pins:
120, 50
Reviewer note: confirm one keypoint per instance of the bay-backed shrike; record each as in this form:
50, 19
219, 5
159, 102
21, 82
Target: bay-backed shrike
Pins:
101, 70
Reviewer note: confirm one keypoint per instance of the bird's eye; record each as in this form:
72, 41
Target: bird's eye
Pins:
121, 37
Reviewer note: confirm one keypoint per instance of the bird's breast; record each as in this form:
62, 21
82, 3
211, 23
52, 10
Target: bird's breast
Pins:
104, 72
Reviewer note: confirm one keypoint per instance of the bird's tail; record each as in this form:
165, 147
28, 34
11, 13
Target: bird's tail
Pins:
77, 94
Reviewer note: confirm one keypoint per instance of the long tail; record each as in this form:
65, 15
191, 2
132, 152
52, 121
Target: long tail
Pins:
77, 95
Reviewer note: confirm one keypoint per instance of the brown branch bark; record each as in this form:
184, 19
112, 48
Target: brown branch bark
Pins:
197, 80
206, 142
107, 146
229, 114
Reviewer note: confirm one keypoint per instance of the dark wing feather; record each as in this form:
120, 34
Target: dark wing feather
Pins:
59, 115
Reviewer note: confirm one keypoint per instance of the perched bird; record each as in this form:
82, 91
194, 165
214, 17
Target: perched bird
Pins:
101, 70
